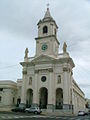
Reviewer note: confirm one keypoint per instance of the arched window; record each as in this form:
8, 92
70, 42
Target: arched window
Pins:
30, 81
59, 79
45, 29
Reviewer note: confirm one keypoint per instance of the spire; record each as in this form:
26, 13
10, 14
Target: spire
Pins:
47, 17
47, 14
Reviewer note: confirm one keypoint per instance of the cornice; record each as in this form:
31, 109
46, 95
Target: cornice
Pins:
48, 37
26, 64
53, 61
46, 21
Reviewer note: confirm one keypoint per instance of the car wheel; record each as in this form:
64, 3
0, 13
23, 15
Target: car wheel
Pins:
35, 112
26, 111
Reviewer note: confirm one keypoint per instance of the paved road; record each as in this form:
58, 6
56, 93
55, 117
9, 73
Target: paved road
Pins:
24, 116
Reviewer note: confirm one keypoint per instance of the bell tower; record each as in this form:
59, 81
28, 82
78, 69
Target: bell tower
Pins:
46, 42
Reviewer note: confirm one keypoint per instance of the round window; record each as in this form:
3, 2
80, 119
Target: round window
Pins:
43, 78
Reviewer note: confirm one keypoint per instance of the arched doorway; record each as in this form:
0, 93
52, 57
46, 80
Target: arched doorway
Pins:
29, 99
43, 97
18, 101
59, 98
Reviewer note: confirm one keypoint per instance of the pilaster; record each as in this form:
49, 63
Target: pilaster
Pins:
50, 105
36, 94
23, 93
66, 96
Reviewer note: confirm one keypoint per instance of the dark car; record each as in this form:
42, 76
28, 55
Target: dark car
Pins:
20, 108
35, 110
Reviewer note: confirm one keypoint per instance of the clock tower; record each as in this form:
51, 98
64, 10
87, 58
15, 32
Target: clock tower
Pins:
46, 42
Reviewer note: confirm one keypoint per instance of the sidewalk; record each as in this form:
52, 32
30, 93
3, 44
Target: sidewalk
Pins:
62, 114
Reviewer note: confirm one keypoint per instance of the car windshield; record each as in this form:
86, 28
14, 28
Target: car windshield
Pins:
32, 107
81, 111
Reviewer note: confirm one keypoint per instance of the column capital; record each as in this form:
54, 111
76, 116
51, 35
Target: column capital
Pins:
65, 69
50, 69
36, 71
24, 72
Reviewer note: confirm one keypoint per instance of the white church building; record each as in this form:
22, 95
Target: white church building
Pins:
47, 78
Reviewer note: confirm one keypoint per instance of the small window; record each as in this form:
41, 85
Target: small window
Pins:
1, 89
0, 98
13, 100
45, 29
30, 81
55, 31
59, 79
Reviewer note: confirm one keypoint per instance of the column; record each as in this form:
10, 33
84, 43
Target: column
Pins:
66, 90
23, 92
50, 105
35, 92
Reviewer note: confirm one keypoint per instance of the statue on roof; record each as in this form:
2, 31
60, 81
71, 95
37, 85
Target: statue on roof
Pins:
26, 53
64, 47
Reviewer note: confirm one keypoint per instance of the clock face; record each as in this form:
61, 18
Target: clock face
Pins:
44, 46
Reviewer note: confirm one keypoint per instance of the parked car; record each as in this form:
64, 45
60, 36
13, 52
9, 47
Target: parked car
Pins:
35, 110
82, 113
20, 108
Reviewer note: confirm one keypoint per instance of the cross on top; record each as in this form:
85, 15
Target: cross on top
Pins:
48, 5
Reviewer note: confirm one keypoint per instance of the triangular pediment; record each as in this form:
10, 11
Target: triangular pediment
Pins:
43, 58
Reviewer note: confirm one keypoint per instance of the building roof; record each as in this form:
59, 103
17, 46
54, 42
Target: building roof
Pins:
8, 84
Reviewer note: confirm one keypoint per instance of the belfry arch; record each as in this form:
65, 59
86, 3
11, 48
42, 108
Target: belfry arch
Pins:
59, 98
29, 97
45, 29
43, 97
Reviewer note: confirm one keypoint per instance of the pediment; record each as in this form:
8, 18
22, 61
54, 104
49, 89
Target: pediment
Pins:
43, 58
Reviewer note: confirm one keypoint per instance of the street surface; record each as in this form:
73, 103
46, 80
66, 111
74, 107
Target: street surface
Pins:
28, 116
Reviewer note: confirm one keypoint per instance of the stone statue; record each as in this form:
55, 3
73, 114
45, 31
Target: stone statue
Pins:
64, 47
26, 53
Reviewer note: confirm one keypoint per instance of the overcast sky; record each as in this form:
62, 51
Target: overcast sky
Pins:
18, 28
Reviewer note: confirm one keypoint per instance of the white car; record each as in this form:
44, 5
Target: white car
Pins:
35, 110
81, 113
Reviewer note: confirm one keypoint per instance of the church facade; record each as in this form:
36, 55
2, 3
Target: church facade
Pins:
47, 78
